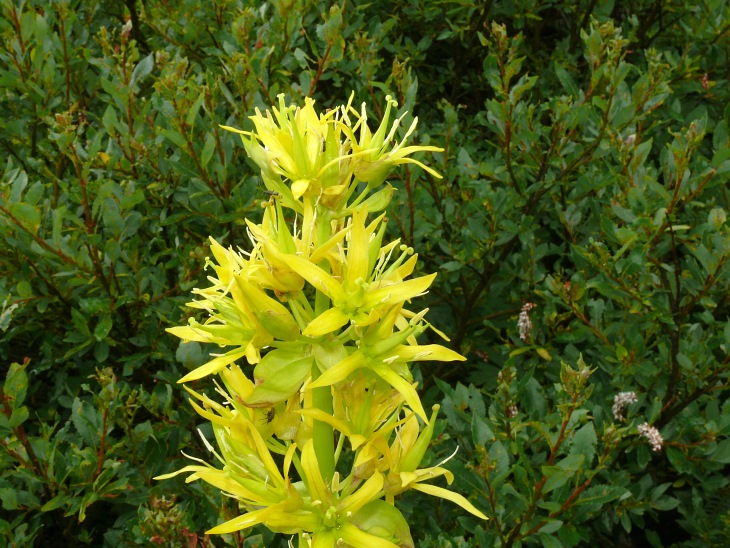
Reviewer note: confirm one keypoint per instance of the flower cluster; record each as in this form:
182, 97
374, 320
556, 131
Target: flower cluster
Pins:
317, 309
524, 323
620, 401
652, 435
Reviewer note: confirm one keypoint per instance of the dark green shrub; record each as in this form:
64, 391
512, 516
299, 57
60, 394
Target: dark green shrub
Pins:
586, 171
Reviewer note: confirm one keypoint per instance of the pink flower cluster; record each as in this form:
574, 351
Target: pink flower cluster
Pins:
620, 401
652, 434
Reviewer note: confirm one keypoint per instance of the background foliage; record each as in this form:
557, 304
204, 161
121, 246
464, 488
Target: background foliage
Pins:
585, 171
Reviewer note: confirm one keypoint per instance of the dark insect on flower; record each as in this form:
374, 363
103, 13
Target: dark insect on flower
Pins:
270, 414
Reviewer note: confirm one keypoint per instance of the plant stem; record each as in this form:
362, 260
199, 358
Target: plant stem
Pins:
323, 433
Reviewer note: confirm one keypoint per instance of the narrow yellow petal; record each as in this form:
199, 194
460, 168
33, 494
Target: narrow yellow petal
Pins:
214, 365
187, 333
326, 538
321, 252
370, 490
404, 387
299, 187
357, 250
330, 320
316, 276
189, 468
336, 423
398, 292
221, 480
449, 495
340, 371
428, 352
245, 521
313, 476
288, 458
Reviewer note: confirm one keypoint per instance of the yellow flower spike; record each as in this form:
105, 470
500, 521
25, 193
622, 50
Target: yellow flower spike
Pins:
297, 145
350, 345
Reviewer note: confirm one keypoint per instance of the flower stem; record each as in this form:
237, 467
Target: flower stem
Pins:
323, 433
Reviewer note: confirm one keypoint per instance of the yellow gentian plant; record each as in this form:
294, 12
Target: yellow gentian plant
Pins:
317, 311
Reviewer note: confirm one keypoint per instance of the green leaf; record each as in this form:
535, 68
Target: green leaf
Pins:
194, 109
86, 420
24, 289
601, 494
19, 416
584, 443
101, 351
566, 80
208, 150
16, 385
175, 137
143, 68
497, 455
28, 215
722, 453
103, 327
9, 498
560, 473
56, 502
112, 217
190, 354
481, 433
551, 526
679, 460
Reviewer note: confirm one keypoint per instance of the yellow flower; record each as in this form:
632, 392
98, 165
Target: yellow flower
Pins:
372, 159
383, 352
321, 154
402, 463
294, 143
238, 316
366, 411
